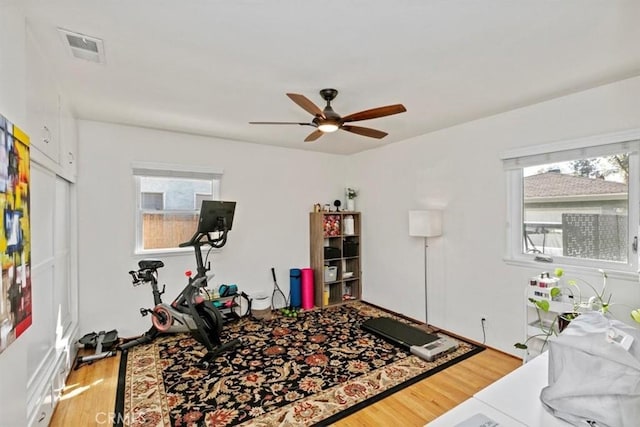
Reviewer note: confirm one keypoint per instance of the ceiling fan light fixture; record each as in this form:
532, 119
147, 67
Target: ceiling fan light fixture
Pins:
328, 121
328, 127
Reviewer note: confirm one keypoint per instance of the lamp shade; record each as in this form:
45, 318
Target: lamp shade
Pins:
425, 223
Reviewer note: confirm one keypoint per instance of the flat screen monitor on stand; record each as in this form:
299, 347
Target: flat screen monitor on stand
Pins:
216, 216
216, 219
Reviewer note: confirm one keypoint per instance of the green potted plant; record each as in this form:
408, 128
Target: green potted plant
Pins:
599, 301
596, 302
351, 194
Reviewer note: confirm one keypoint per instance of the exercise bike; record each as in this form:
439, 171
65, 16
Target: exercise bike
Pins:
189, 312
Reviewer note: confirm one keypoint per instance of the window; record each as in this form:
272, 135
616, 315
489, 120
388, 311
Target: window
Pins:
168, 200
576, 202
151, 201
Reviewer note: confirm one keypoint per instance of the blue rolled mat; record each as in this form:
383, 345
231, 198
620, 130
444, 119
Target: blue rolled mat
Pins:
295, 277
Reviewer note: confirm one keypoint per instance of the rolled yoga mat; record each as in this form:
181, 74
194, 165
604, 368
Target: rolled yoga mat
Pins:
295, 275
307, 288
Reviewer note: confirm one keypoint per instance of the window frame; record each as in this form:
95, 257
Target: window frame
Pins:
165, 170
515, 161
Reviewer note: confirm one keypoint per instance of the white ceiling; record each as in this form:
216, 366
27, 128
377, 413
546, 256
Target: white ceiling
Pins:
210, 66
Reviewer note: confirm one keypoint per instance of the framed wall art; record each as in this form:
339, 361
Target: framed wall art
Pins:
15, 233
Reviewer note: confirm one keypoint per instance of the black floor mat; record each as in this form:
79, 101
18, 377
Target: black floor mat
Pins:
397, 332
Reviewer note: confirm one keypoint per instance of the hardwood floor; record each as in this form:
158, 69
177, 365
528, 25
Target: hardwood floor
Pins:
89, 398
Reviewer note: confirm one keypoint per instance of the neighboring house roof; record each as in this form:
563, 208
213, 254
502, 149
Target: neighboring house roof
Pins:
554, 184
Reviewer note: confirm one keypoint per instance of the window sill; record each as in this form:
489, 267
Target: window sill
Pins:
612, 273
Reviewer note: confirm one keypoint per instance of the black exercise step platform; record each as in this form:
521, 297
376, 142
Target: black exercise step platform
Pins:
398, 333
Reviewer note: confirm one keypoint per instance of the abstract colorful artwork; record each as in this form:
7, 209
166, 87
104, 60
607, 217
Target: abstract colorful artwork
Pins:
15, 233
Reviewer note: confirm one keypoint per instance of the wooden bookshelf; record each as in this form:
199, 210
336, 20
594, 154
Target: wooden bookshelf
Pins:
340, 232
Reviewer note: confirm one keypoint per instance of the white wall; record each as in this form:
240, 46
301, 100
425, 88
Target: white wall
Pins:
13, 360
274, 188
459, 169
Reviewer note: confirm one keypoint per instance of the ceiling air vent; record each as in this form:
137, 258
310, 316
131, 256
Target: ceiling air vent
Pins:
82, 46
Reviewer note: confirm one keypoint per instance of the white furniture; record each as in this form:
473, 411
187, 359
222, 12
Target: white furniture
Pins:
536, 345
470, 408
513, 400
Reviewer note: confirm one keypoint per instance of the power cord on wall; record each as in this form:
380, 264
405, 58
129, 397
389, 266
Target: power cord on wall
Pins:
484, 335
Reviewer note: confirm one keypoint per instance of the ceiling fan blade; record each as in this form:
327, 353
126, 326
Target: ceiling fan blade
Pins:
375, 113
306, 104
282, 123
373, 133
314, 135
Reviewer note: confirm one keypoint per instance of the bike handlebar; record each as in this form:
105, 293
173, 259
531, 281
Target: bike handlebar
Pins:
196, 239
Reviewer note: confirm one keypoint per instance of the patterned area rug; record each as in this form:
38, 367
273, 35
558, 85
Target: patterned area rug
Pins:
313, 369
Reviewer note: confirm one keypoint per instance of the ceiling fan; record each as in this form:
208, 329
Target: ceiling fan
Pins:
327, 120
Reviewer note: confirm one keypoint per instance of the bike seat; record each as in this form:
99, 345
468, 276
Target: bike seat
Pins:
150, 264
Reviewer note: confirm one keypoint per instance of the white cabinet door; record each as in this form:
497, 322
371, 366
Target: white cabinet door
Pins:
68, 141
62, 252
43, 413
42, 102
41, 334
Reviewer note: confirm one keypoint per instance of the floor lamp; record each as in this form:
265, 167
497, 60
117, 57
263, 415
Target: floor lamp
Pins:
425, 224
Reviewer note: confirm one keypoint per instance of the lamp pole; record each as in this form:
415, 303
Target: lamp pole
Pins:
425, 223
426, 288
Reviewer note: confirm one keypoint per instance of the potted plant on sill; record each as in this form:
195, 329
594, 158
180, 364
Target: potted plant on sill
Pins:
598, 302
